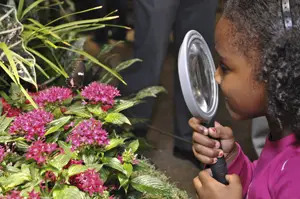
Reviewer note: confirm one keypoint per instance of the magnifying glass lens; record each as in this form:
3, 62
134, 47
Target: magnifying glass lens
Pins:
200, 76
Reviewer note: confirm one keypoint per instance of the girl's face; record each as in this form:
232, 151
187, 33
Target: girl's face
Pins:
245, 97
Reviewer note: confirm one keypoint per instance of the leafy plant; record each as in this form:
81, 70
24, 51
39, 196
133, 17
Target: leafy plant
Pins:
29, 48
76, 146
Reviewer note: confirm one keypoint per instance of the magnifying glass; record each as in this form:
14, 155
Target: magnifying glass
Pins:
196, 73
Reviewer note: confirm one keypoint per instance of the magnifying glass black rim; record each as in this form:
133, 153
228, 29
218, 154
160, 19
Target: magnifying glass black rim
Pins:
184, 76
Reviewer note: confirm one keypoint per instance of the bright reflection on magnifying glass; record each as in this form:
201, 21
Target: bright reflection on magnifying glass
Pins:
200, 76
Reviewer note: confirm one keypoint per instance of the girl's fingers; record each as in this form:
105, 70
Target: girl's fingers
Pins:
209, 152
204, 159
205, 141
220, 132
195, 124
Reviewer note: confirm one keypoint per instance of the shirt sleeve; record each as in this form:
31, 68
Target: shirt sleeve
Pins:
287, 180
242, 167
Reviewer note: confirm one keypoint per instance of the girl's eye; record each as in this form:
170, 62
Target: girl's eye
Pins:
224, 68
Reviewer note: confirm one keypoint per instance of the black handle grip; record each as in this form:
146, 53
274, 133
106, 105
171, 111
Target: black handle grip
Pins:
219, 170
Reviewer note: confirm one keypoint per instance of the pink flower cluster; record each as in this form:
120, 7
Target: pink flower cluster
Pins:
39, 151
88, 181
51, 95
9, 110
88, 132
31, 124
2, 153
17, 195
13, 195
34, 195
97, 92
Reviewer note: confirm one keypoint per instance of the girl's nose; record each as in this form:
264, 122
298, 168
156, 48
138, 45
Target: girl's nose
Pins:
218, 76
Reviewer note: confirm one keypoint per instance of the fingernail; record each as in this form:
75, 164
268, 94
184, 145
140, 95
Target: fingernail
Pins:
217, 145
217, 124
200, 128
220, 154
215, 160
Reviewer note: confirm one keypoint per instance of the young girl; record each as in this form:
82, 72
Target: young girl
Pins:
259, 73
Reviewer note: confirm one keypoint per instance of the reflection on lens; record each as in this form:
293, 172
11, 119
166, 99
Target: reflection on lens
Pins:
201, 76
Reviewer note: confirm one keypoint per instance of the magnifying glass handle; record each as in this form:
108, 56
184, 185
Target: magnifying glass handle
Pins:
219, 169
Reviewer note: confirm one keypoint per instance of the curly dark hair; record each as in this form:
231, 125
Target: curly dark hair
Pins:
259, 25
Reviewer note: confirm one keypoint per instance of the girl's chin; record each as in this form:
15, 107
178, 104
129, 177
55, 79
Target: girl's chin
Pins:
234, 115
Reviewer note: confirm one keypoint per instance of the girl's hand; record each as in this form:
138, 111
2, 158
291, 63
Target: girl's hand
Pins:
206, 149
207, 187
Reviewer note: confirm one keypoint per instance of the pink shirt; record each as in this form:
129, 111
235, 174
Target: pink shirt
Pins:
276, 174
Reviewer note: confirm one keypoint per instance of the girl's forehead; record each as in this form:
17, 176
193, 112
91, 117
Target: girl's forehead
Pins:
226, 37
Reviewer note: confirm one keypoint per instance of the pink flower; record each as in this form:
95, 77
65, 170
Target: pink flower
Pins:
14, 195
72, 162
31, 124
88, 132
88, 181
34, 195
9, 110
2, 153
68, 126
49, 175
105, 108
51, 95
120, 158
97, 92
39, 151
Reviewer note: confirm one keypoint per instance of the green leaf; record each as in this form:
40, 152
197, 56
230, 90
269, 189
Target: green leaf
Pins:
12, 169
113, 143
50, 63
68, 192
20, 8
107, 78
16, 179
124, 104
115, 164
104, 174
97, 167
11, 61
150, 92
21, 145
67, 148
75, 13
134, 145
124, 181
96, 110
94, 60
89, 159
5, 139
5, 122
149, 184
117, 118
76, 169
79, 110
60, 161
57, 124
30, 7
128, 168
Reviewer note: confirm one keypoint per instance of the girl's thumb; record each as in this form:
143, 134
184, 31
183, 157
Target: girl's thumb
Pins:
221, 132
233, 179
